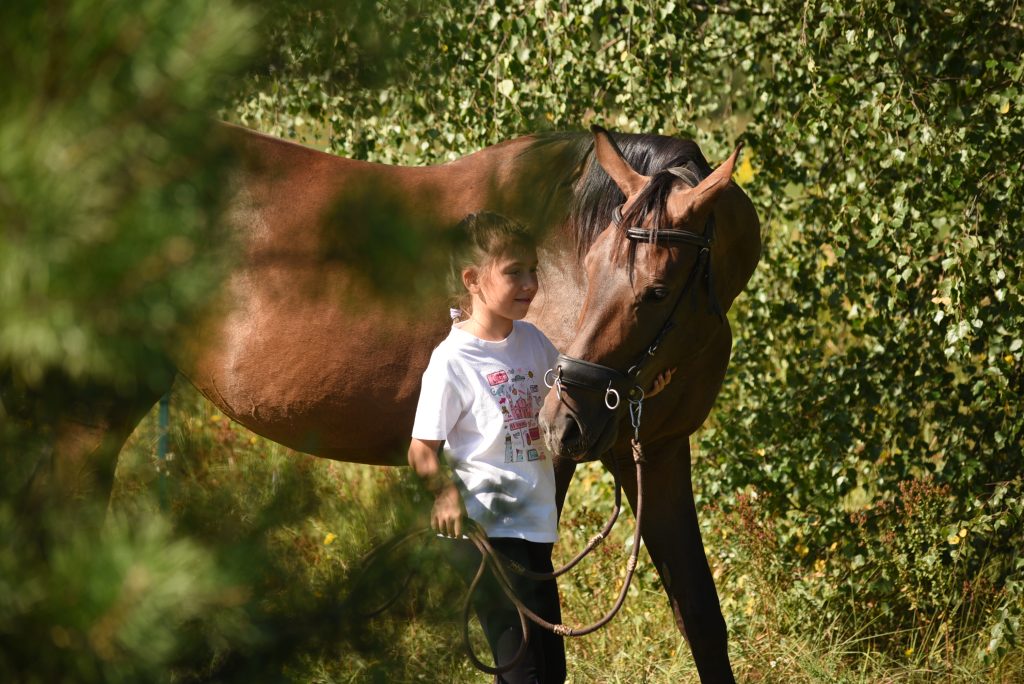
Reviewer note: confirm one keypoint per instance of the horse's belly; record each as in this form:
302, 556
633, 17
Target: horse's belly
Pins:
319, 373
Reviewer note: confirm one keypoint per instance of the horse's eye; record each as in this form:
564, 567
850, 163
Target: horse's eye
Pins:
655, 294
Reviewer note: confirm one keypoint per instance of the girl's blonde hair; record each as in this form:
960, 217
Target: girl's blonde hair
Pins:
489, 236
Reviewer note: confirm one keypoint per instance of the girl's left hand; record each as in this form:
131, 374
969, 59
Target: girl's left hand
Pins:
660, 382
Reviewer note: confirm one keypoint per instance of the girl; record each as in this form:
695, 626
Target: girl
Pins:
481, 393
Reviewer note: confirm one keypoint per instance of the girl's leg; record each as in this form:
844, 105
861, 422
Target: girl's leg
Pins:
547, 605
544, 661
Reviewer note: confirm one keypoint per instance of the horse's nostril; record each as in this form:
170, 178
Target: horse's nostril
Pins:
572, 437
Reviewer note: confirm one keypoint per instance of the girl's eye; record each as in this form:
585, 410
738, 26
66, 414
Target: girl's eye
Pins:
655, 294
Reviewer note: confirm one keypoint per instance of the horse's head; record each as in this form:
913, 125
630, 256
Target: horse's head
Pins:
660, 277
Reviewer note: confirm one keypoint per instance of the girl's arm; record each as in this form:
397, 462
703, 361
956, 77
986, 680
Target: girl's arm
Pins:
446, 516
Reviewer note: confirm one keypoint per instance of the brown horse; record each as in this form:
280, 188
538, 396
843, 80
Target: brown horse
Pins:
299, 350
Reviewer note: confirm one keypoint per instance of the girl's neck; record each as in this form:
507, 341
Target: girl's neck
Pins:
488, 327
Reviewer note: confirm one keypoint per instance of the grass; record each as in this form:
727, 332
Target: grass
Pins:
223, 479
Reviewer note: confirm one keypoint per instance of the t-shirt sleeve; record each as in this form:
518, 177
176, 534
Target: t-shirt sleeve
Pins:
440, 403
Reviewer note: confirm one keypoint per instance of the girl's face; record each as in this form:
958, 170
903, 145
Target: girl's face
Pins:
505, 288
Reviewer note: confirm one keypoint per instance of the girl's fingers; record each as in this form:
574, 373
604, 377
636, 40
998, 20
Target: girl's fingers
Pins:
661, 382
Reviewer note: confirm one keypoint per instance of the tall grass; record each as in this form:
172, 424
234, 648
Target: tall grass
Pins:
320, 518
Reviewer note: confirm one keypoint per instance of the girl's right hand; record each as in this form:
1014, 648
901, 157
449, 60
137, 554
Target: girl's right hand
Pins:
446, 516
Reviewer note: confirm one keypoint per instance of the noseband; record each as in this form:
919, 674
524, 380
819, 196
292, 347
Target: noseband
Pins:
573, 372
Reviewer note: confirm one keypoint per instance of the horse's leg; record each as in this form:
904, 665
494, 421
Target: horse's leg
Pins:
86, 428
672, 536
564, 470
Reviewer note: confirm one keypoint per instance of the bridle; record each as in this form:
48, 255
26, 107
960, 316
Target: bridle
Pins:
570, 371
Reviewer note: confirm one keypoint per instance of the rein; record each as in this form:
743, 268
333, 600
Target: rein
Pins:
498, 564
491, 557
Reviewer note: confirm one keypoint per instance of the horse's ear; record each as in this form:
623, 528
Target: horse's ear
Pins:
717, 181
615, 165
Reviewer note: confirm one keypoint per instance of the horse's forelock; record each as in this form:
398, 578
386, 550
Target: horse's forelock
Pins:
595, 195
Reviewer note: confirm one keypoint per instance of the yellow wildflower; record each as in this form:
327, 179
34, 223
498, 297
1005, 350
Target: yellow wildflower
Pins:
909, 652
215, 418
329, 538
963, 532
953, 539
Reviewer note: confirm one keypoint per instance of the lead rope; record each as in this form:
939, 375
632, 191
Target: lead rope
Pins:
489, 556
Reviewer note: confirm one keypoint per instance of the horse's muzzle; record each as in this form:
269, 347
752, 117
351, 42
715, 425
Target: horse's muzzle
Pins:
563, 436
567, 437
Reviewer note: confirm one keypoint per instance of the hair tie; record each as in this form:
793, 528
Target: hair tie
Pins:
455, 313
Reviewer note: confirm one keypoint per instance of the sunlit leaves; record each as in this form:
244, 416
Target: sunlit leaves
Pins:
110, 180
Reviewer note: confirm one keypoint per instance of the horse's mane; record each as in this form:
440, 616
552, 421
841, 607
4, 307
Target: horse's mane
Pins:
595, 195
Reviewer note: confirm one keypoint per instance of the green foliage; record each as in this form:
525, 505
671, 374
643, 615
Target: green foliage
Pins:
110, 180
84, 604
293, 532
473, 74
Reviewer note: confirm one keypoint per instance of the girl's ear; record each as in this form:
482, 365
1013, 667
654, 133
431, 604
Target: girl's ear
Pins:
471, 279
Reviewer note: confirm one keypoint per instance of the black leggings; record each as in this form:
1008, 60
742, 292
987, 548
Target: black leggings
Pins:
544, 660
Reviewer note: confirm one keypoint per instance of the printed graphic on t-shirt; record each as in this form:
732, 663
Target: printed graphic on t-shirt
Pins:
518, 394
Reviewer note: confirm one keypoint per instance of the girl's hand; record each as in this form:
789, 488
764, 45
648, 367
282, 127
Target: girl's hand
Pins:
446, 516
660, 382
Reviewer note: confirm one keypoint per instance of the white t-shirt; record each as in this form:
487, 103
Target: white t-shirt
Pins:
483, 398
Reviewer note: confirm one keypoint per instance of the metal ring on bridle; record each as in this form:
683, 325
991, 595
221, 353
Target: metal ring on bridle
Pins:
556, 383
609, 392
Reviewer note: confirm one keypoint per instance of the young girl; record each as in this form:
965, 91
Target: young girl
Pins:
481, 394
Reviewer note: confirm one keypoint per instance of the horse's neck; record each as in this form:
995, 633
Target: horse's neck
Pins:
504, 178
